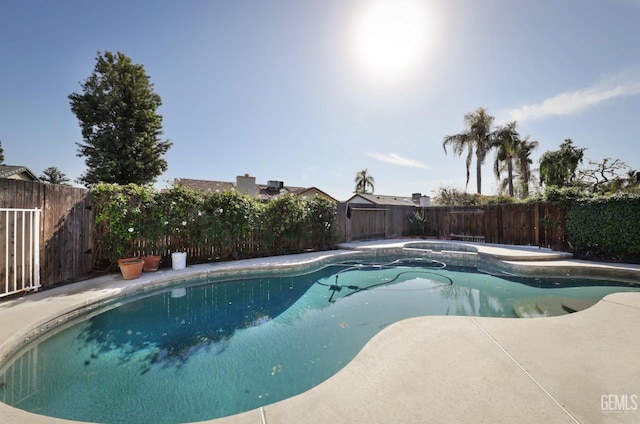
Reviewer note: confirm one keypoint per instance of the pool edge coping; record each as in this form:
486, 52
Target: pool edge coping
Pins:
118, 287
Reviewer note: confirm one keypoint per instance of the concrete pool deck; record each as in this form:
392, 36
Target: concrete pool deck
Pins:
577, 368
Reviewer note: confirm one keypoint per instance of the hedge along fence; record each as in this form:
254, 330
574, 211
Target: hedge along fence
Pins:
607, 226
137, 220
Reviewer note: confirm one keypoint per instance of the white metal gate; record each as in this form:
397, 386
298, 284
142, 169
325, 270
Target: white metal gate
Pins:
19, 250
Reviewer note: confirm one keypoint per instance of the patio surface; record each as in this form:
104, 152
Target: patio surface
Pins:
577, 368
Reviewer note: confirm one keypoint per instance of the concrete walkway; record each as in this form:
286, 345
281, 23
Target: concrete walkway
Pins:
578, 368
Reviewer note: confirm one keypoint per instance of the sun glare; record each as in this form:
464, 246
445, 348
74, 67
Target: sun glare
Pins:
390, 38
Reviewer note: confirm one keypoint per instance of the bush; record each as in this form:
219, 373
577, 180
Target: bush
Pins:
453, 197
448, 196
180, 208
497, 200
284, 219
120, 219
560, 194
418, 222
321, 227
229, 223
136, 220
605, 226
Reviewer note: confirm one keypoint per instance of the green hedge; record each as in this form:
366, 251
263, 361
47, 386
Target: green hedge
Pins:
137, 220
606, 226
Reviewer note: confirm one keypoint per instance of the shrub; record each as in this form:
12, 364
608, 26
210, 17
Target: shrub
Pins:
418, 222
229, 223
180, 207
448, 196
136, 220
284, 219
120, 219
497, 200
605, 226
563, 194
321, 227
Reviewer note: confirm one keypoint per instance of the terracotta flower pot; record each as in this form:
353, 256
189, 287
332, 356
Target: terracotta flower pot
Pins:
151, 263
130, 268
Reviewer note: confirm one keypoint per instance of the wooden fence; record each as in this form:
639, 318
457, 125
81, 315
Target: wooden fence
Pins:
538, 224
366, 222
66, 226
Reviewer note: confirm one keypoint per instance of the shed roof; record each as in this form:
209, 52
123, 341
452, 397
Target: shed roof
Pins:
379, 199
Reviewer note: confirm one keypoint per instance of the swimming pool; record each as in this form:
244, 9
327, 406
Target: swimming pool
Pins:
210, 348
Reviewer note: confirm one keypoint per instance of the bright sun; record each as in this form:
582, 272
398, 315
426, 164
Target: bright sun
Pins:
390, 38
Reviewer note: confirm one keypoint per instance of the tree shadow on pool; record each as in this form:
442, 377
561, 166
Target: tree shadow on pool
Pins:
167, 328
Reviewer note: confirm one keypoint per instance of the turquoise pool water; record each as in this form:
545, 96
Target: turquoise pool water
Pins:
209, 349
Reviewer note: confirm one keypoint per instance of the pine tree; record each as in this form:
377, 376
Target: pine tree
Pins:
121, 129
53, 175
1, 153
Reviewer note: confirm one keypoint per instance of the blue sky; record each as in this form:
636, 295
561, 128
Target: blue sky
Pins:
310, 92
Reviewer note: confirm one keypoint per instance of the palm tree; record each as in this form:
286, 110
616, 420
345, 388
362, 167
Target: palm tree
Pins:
514, 158
507, 140
363, 182
476, 138
503, 184
523, 158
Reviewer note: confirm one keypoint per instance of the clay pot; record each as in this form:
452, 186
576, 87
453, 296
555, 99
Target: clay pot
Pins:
151, 263
130, 268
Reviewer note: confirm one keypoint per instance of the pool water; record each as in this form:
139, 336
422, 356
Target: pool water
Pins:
209, 349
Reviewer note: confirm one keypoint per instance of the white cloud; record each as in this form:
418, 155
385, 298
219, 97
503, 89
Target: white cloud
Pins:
398, 160
626, 83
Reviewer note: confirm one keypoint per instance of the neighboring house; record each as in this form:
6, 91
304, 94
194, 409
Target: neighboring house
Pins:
17, 173
315, 192
416, 199
247, 184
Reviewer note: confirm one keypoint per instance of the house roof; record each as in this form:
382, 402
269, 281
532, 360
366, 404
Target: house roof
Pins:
318, 191
205, 185
263, 191
379, 199
6, 171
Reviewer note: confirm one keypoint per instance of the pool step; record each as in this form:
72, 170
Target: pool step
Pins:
526, 308
576, 305
536, 307
551, 307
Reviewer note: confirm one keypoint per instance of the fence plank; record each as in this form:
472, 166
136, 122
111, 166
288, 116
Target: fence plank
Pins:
517, 223
66, 226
